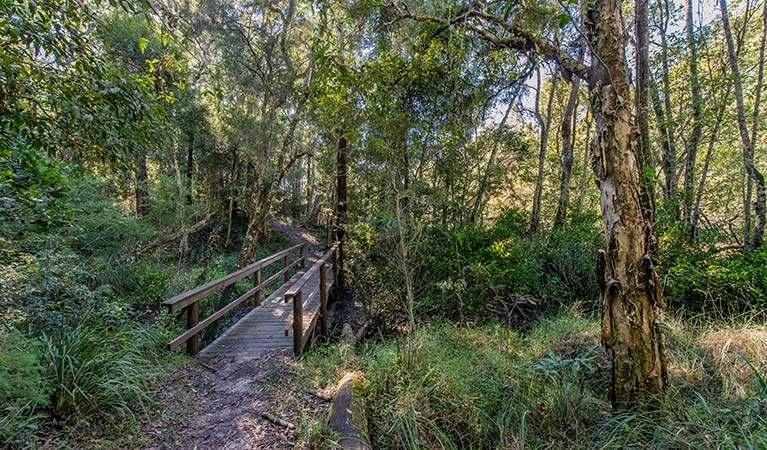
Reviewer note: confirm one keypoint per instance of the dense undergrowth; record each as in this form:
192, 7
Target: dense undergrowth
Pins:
83, 339
491, 387
484, 271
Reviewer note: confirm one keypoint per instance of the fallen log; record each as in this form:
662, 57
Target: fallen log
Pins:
347, 415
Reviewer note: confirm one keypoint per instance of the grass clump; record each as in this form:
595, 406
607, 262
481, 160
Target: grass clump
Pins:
94, 369
491, 387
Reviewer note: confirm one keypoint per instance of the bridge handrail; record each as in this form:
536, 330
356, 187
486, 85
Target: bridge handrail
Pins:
294, 294
189, 300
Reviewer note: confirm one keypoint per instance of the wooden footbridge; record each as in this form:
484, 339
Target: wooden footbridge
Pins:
288, 317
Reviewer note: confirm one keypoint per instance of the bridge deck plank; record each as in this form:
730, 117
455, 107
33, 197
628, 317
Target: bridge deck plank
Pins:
269, 326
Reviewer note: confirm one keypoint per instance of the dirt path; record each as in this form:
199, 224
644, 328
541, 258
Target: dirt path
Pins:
220, 403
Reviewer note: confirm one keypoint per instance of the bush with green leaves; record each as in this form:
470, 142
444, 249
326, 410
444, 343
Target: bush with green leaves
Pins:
460, 273
722, 283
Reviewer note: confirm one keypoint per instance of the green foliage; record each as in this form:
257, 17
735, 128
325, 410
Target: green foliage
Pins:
33, 191
464, 271
703, 278
101, 226
23, 385
95, 369
451, 397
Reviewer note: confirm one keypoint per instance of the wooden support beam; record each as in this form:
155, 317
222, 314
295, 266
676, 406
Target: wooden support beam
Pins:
285, 264
192, 316
323, 302
298, 324
256, 282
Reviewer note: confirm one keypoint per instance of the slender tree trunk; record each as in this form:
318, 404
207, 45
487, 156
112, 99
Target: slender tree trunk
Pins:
232, 192
697, 112
642, 102
631, 290
748, 149
545, 124
667, 120
141, 180
478, 207
757, 237
584, 168
189, 169
567, 131
712, 140
341, 203
667, 164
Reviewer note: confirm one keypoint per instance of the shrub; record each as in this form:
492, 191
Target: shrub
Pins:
462, 272
23, 385
722, 283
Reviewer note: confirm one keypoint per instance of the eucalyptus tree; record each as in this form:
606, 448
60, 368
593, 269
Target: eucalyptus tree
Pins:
631, 290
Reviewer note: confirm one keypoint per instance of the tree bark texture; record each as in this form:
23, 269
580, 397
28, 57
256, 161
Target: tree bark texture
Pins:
697, 113
631, 291
141, 180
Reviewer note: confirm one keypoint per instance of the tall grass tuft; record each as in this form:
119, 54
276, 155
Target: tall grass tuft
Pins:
94, 369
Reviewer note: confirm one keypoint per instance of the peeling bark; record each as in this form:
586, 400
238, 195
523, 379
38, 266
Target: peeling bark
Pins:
631, 291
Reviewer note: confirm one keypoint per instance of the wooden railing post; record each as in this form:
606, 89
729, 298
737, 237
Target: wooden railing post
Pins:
256, 282
192, 317
285, 263
323, 302
301, 257
337, 295
298, 324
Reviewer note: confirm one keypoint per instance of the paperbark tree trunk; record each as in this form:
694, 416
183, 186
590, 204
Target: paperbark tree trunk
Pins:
631, 291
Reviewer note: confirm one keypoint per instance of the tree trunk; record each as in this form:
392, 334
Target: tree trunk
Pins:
478, 207
545, 124
757, 237
748, 149
712, 140
341, 204
584, 168
642, 102
697, 112
567, 131
666, 119
189, 169
141, 180
631, 291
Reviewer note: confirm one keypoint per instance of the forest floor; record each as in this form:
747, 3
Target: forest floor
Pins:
221, 403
